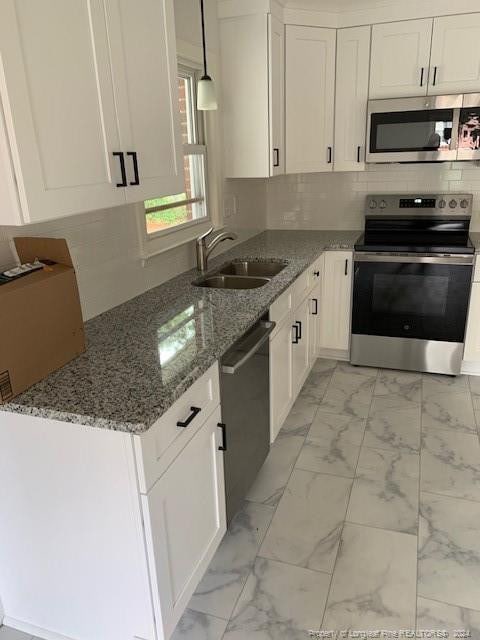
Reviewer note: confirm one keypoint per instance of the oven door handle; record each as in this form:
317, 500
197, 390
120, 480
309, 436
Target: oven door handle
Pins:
459, 259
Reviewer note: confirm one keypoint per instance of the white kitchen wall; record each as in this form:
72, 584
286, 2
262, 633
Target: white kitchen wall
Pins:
105, 244
336, 200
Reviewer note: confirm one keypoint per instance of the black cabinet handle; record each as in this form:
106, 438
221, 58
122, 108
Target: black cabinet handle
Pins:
296, 336
421, 76
434, 76
195, 411
223, 427
121, 157
316, 274
358, 153
329, 150
299, 329
346, 266
315, 311
276, 157
133, 155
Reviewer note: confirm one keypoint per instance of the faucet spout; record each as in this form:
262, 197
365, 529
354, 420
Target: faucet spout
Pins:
204, 248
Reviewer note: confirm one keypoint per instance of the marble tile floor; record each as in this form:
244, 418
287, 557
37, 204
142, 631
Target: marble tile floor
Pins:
365, 516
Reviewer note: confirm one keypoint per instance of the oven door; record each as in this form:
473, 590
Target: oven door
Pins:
411, 296
413, 129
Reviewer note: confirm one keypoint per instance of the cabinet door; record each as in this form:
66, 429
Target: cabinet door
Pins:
144, 63
455, 59
57, 98
472, 337
353, 62
400, 59
300, 350
276, 62
335, 308
310, 97
315, 300
184, 516
281, 392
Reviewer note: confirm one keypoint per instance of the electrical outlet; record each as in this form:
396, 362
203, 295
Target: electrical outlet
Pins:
229, 205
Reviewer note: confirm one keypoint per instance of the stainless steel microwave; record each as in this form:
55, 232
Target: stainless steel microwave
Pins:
428, 129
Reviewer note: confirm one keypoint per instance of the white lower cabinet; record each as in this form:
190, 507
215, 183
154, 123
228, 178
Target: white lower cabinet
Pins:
472, 337
300, 342
336, 301
184, 516
281, 389
315, 301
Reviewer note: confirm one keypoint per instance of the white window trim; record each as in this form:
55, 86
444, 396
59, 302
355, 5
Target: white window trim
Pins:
154, 244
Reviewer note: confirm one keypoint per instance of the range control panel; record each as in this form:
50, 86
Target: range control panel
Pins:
401, 204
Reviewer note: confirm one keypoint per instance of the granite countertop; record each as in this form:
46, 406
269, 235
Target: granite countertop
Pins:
144, 354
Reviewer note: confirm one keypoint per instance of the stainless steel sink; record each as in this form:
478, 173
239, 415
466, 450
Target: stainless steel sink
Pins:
220, 281
263, 268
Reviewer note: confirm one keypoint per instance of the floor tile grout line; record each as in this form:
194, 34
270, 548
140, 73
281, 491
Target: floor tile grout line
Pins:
278, 502
348, 503
297, 566
449, 496
450, 604
417, 577
371, 526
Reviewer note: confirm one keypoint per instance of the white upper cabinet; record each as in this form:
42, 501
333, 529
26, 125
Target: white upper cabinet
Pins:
276, 70
400, 59
351, 95
59, 109
252, 60
144, 63
84, 80
455, 58
310, 98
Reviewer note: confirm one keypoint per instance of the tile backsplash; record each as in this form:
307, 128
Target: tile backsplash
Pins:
336, 200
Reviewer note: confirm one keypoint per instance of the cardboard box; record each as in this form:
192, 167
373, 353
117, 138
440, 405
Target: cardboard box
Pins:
41, 325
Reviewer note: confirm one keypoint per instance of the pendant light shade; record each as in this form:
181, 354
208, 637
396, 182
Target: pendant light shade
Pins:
206, 94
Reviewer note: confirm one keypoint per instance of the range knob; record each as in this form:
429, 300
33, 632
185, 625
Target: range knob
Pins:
452, 204
373, 204
442, 204
383, 204
464, 203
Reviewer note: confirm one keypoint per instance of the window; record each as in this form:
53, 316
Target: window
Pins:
171, 211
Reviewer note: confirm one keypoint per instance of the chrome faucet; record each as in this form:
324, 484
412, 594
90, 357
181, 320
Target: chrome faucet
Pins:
204, 249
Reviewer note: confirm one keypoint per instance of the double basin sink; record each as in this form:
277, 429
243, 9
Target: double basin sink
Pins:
242, 274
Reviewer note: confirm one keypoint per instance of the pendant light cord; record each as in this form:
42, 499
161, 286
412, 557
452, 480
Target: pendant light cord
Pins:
203, 39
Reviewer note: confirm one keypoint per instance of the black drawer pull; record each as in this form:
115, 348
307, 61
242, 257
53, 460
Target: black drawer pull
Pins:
315, 311
276, 157
121, 157
299, 329
434, 76
223, 427
195, 411
329, 151
296, 336
359, 149
421, 77
346, 267
133, 155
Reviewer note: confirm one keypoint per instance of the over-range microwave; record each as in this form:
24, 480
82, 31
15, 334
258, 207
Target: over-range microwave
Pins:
428, 129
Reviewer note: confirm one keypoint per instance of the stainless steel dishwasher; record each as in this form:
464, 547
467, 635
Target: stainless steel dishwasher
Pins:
245, 397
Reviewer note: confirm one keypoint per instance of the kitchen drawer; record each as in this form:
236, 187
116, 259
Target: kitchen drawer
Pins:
157, 448
301, 287
281, 308
476, 273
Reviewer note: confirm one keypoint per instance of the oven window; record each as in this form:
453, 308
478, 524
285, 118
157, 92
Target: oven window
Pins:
411, 131
410, 294
426, 301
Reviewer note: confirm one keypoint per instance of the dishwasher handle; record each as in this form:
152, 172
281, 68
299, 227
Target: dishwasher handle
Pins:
232, 368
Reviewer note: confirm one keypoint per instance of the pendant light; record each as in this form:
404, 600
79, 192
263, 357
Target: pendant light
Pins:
206, 95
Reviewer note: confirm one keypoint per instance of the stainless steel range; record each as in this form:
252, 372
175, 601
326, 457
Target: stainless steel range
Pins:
412, 278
